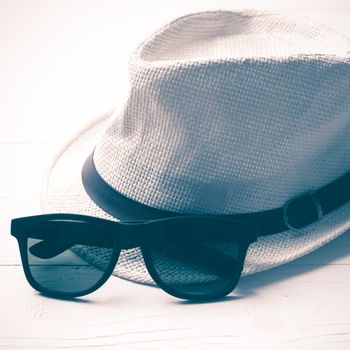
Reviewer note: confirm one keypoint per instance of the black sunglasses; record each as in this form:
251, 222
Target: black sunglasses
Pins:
189, 257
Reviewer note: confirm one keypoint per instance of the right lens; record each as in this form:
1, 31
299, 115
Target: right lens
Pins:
68, 257
196, 259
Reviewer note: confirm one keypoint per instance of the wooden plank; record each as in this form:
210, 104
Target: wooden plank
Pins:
263, 312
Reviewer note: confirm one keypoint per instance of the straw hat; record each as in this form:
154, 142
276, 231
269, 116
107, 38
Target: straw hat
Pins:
228, 112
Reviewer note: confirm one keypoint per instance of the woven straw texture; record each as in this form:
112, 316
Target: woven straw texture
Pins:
228, 112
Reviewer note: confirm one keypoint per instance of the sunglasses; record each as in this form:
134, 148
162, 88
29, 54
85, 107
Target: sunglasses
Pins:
189, 257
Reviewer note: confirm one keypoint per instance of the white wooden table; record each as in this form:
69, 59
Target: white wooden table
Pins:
62, 63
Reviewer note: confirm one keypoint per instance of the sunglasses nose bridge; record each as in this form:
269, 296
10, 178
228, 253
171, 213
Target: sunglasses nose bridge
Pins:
131, 234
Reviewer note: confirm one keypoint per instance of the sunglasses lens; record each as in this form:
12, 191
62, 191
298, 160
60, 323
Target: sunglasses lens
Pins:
70, 257
197, 261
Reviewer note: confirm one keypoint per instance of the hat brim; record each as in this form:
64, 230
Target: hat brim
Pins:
63, 192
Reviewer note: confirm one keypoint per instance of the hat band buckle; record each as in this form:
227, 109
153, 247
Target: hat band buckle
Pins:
307, 209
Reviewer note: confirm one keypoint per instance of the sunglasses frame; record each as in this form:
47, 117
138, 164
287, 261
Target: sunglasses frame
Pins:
133, 234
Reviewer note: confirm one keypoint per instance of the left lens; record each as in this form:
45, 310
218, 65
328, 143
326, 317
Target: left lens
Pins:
67, 257
196, 258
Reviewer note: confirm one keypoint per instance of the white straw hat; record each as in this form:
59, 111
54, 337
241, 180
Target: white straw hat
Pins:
228, 112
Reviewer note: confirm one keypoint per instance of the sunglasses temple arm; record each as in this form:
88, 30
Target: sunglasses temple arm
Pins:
51, 246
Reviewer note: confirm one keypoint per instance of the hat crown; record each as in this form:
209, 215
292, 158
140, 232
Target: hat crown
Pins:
231, 112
